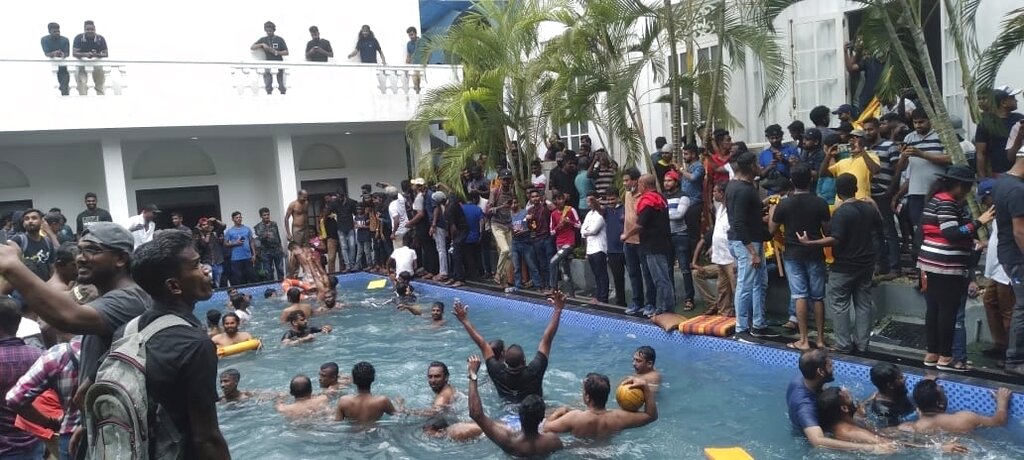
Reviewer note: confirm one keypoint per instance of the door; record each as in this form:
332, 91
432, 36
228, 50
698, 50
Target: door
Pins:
316, 190
819, 71
192, 203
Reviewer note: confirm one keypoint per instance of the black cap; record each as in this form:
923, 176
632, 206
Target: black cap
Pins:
847, 108
813, 133
151, 207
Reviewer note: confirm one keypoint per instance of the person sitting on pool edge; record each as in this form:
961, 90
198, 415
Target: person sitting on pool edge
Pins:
301, 331
643, 365
363, 407
213, 323
597, 422
330, 379
231, 335
295, 304
890, 405
229, 387
514, 379
931, 402
526, 443
802, 399
836, 411
305, 404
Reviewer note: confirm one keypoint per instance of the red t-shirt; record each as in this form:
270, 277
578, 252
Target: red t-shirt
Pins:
565, 236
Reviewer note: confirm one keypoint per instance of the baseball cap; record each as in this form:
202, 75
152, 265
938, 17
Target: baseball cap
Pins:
504, 173
667, 148
151, 207
857, 132
958, 125
391, 190
1008, 90
672, 174
845, 108
418, 181
813, 133
110, 235
986, 187
438, 196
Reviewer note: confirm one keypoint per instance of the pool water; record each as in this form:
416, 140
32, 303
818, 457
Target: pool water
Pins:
708, 397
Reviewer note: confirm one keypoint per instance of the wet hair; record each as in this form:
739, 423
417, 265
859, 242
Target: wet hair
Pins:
331, 367
498, 347
928, 396
213, 317
819, 115
332, 281
811, 361
295, 315
647, 352
294, 295
268, 293
846, 185
363, 375
884, 375
232, 374
157, 261
800, 174
237, 301
919, 114
227, 315
596, 386
65, 254
10, 316
830, 407
300, 386
531, 413
436, 422
514, 356
443, 367
438, 304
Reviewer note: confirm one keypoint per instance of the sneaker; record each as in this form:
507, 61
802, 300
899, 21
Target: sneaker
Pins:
510, 290
632, 311
744, 337
763, 332
648, 311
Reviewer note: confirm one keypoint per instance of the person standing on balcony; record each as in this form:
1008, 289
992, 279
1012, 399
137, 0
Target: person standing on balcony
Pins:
90, 45
367, 47
410, 53
275, 49
57, 47
318, 49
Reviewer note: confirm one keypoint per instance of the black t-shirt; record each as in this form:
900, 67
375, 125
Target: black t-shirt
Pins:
802, 212
181, 369
564, 183
97, 44
745, 213
514, 385
37, 254
345, 210
292, 335
457, 220
116, 307
89, 217
323, 44
331, 223
994, 132
1009, 199
854, 225
655, 236
276, 43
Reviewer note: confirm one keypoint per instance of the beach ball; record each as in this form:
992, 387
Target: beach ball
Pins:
630, 399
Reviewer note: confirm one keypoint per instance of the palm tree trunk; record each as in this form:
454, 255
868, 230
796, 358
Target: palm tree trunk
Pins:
716, 77
673, 76
962, 59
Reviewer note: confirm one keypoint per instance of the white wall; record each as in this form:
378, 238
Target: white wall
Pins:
59, 176
369, 158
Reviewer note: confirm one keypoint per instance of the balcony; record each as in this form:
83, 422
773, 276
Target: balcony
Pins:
142, 94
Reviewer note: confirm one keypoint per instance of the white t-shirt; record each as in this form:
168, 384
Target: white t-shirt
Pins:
483, 208
243, 315
405, 259
720, 253
1013, 135
993, 270
143, 235
593, 229
539, 181
417, 203
397, 211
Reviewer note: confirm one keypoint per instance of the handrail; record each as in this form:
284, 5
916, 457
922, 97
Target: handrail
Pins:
244, 62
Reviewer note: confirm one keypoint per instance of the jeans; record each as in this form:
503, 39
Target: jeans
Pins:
1015, 344
944, 298
503, 243
888, 242
681, 254
242, 272
347, 247
268, 81
562, 258
599, 266
364, 255
272, 263
63, 80
32, 453
472, 258
846, 289
636, 266
806, 278
522, 251
441, 246
751, 286
617, 264
543, 251
64, 447
660, 270
218, 272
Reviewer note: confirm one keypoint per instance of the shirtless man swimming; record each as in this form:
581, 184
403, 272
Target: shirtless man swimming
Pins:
331, 381
527, 443
436, 312
231, 335
643, 365
437, 378
363, 407
931, 402
597, 422
229, 387
295, 299
305, 404
297, 230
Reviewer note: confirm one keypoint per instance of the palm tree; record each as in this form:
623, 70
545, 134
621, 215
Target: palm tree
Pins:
1009, 40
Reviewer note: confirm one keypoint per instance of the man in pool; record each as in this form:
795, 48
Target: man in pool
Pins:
363, 407
931, 402
514, 379
643, 365
438, 426
331, 381
305, 404
436, 312
597, 422
295, 304
890, 405
231, 335
802, 399
301, 331
329, 303
229, 387
530, 441
437, 378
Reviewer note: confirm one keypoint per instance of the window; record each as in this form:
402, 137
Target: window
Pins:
816, 61
572, 133
952, 83
705, 56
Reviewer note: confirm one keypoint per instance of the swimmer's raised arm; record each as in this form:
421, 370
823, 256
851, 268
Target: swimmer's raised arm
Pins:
558, 300
462, 314
496, 432
414, 309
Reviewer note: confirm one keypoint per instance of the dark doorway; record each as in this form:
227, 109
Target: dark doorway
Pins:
192, 202
7, 207
316, 190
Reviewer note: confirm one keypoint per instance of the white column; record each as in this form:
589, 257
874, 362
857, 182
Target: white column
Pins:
284, 160
113, 170
423, 141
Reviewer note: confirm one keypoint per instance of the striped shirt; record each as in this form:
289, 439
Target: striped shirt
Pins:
948, 237
605, 178
16, 358
921, 171
677, 205
57, 369
887, 158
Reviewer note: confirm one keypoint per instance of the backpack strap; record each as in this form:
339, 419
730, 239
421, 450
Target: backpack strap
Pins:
159, 324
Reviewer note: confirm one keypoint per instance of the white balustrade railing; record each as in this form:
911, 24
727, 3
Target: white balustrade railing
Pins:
252, 78
399, 79
90, 74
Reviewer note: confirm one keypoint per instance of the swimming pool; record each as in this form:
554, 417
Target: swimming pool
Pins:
714, 393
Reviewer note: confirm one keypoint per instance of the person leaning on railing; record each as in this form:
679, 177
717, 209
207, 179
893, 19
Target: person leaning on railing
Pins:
57, 47
90, 45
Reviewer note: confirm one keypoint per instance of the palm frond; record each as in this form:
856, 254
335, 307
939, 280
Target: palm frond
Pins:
1009, 40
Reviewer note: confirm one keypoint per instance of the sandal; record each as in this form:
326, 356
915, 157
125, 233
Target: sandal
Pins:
688, 306
792, 346
954, 366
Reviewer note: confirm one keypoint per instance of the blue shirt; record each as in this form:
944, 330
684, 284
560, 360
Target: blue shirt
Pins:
243, 234
693, 187
51, 44
583, 186
614, 219
520, 228
782, 167
803, 404
368, 50
473, 216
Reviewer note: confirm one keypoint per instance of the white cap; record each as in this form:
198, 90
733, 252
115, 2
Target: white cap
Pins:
1008, 90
